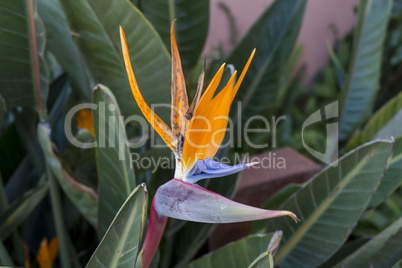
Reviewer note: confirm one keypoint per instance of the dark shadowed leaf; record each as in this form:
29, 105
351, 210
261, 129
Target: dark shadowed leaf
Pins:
191, 25
20, 209
383, 250
96, 28
273, 35
61, 44
83, 198
23, 75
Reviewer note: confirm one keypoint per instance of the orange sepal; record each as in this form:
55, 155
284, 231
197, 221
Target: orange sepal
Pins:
208, 126
179, 94
160, 127
243, 73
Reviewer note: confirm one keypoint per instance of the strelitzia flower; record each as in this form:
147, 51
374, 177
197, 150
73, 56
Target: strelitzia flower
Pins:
195, 136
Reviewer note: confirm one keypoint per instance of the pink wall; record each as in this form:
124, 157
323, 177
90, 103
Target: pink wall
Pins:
314, 34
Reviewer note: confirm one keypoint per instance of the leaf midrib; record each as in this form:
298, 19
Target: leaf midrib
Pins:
120, 245
322, 208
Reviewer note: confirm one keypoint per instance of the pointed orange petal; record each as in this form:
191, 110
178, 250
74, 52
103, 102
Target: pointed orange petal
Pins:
207, 127
219, 118
213, 85
160, 127
243, 73
179, 93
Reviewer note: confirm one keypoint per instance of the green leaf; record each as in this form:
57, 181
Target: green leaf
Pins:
82, 197
60, 43
384, 250
344, 251
273, 203
378, 121
362, 81
119, 246
116, 178
23, 75
392, 178
329, 206
20, 209
274, 36
96, 26
191, 25
265, 260
241, 253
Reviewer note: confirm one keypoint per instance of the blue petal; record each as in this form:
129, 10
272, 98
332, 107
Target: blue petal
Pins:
212, 169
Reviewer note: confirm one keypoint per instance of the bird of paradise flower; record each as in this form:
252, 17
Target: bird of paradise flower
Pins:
181, 198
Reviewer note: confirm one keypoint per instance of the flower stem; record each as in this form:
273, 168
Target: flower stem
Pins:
156, 227
58, 219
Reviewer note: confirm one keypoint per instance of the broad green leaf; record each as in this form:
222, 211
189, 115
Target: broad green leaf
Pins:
23, 75
392, 178
61, 44
96, 27
273, 35
384, 124
362, 81
378, 121
344, 251
329, 206
116, 178
383, 250
265, 260
82, 197
20, 209
119, 246
273, 203
241, 253
191, 27
392, 128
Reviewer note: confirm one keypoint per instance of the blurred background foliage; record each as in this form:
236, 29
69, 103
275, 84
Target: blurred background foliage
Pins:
58, 201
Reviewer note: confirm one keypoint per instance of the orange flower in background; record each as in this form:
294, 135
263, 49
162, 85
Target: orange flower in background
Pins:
85, 120
47, 252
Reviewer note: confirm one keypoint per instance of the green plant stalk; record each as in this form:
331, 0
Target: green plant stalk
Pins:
4, 256
58, 219
15, 238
